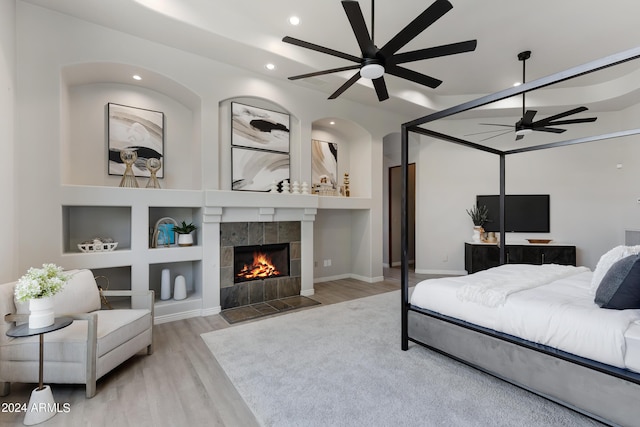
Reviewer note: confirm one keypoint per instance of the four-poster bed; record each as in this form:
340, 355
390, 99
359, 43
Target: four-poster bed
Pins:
603, 391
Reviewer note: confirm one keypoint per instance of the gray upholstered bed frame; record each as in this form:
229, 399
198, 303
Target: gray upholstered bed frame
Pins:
606, 393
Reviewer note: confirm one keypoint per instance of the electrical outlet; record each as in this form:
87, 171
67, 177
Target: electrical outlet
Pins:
329, 263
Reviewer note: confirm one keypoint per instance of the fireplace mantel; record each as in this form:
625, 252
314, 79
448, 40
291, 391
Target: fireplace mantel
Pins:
237, 206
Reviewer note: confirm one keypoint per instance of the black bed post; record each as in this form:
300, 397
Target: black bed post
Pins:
404, 275
503, 243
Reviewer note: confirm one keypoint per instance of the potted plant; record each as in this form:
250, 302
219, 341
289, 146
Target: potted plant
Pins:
184, 233
479, 215
37, 287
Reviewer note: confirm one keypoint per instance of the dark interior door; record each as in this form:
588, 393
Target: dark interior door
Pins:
395, 214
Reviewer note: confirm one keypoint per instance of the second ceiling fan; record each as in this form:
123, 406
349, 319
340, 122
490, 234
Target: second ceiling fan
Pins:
375, 62
526, 123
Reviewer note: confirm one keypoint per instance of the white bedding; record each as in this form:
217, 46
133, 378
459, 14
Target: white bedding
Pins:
560, 313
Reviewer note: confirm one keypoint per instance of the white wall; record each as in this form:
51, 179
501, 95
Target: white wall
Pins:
8, 266
84, 160
49, 107
351, 239
592, 201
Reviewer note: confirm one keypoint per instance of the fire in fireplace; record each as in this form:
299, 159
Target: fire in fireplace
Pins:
260, 262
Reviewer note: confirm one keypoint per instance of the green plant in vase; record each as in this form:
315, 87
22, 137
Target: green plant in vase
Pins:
479, 215
184, 230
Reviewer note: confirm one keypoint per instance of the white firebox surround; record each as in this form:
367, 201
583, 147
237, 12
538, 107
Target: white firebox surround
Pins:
239, 206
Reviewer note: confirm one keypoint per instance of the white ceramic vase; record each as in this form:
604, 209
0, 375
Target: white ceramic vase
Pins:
41, 313
180, 288
165, 284
476, 234
185, 240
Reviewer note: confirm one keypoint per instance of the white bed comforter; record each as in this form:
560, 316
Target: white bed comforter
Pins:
559, 313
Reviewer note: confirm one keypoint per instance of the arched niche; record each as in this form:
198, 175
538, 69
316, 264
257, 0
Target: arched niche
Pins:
226, 139
87, 88
354, 152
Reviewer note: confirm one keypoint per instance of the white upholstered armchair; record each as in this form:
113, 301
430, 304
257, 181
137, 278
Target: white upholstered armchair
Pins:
96, 342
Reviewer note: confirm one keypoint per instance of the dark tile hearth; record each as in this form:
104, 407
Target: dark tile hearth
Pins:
254, 311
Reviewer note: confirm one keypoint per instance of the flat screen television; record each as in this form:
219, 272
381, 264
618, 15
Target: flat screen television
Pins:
524, 213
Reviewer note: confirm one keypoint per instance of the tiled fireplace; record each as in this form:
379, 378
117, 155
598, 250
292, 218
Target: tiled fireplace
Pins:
259, 261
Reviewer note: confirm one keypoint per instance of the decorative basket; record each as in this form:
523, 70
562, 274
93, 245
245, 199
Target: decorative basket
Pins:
97, 247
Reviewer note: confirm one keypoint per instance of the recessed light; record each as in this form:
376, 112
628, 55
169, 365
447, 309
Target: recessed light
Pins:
270, 67
332, 122
137, 77
294, 20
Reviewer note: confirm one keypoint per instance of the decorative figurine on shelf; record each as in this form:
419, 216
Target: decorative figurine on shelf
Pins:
305, 187
129, 157
285, 186
295, 188
347, 192
154, 165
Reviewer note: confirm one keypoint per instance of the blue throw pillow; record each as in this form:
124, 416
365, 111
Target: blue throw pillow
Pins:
620, 287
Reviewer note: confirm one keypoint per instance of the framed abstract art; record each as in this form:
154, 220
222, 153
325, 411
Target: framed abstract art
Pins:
136, 129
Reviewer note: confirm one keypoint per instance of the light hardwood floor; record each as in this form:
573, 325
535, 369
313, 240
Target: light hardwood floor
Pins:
181, 384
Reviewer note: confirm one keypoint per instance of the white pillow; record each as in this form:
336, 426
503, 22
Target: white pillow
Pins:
607, 260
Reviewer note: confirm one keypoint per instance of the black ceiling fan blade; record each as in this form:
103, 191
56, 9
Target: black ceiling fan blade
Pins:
345, 86
546, 129
381, 89
359, 26
434, 52
572, 121
495, 124
415, 27
548, 120
527, 119
413, 76
495, 136
487, 131
321, 73
321, 49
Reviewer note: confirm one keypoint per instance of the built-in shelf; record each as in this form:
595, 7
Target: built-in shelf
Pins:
128, 215
328, 202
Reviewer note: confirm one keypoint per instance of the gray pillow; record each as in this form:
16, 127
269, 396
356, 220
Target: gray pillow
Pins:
620, 287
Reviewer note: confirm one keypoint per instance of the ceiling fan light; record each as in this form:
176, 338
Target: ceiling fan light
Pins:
523, 132
372, 71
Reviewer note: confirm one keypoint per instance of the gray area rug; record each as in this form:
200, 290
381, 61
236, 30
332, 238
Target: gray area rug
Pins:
341, 365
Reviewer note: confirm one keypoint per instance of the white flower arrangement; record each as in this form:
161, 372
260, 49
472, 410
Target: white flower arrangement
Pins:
40, 282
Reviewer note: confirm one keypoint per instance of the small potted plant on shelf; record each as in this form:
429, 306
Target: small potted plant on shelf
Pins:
38, 286
184, 233
479, 215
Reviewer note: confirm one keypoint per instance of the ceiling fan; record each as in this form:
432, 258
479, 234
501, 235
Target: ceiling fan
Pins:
526, 123
376, 62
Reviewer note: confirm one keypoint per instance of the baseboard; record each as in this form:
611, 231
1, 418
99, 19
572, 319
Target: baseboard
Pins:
179, 316
331, 278
210, 311
447, 272
368, 279
348, 276
307, 292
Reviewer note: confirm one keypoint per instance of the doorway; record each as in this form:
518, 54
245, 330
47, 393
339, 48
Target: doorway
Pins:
395, 215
